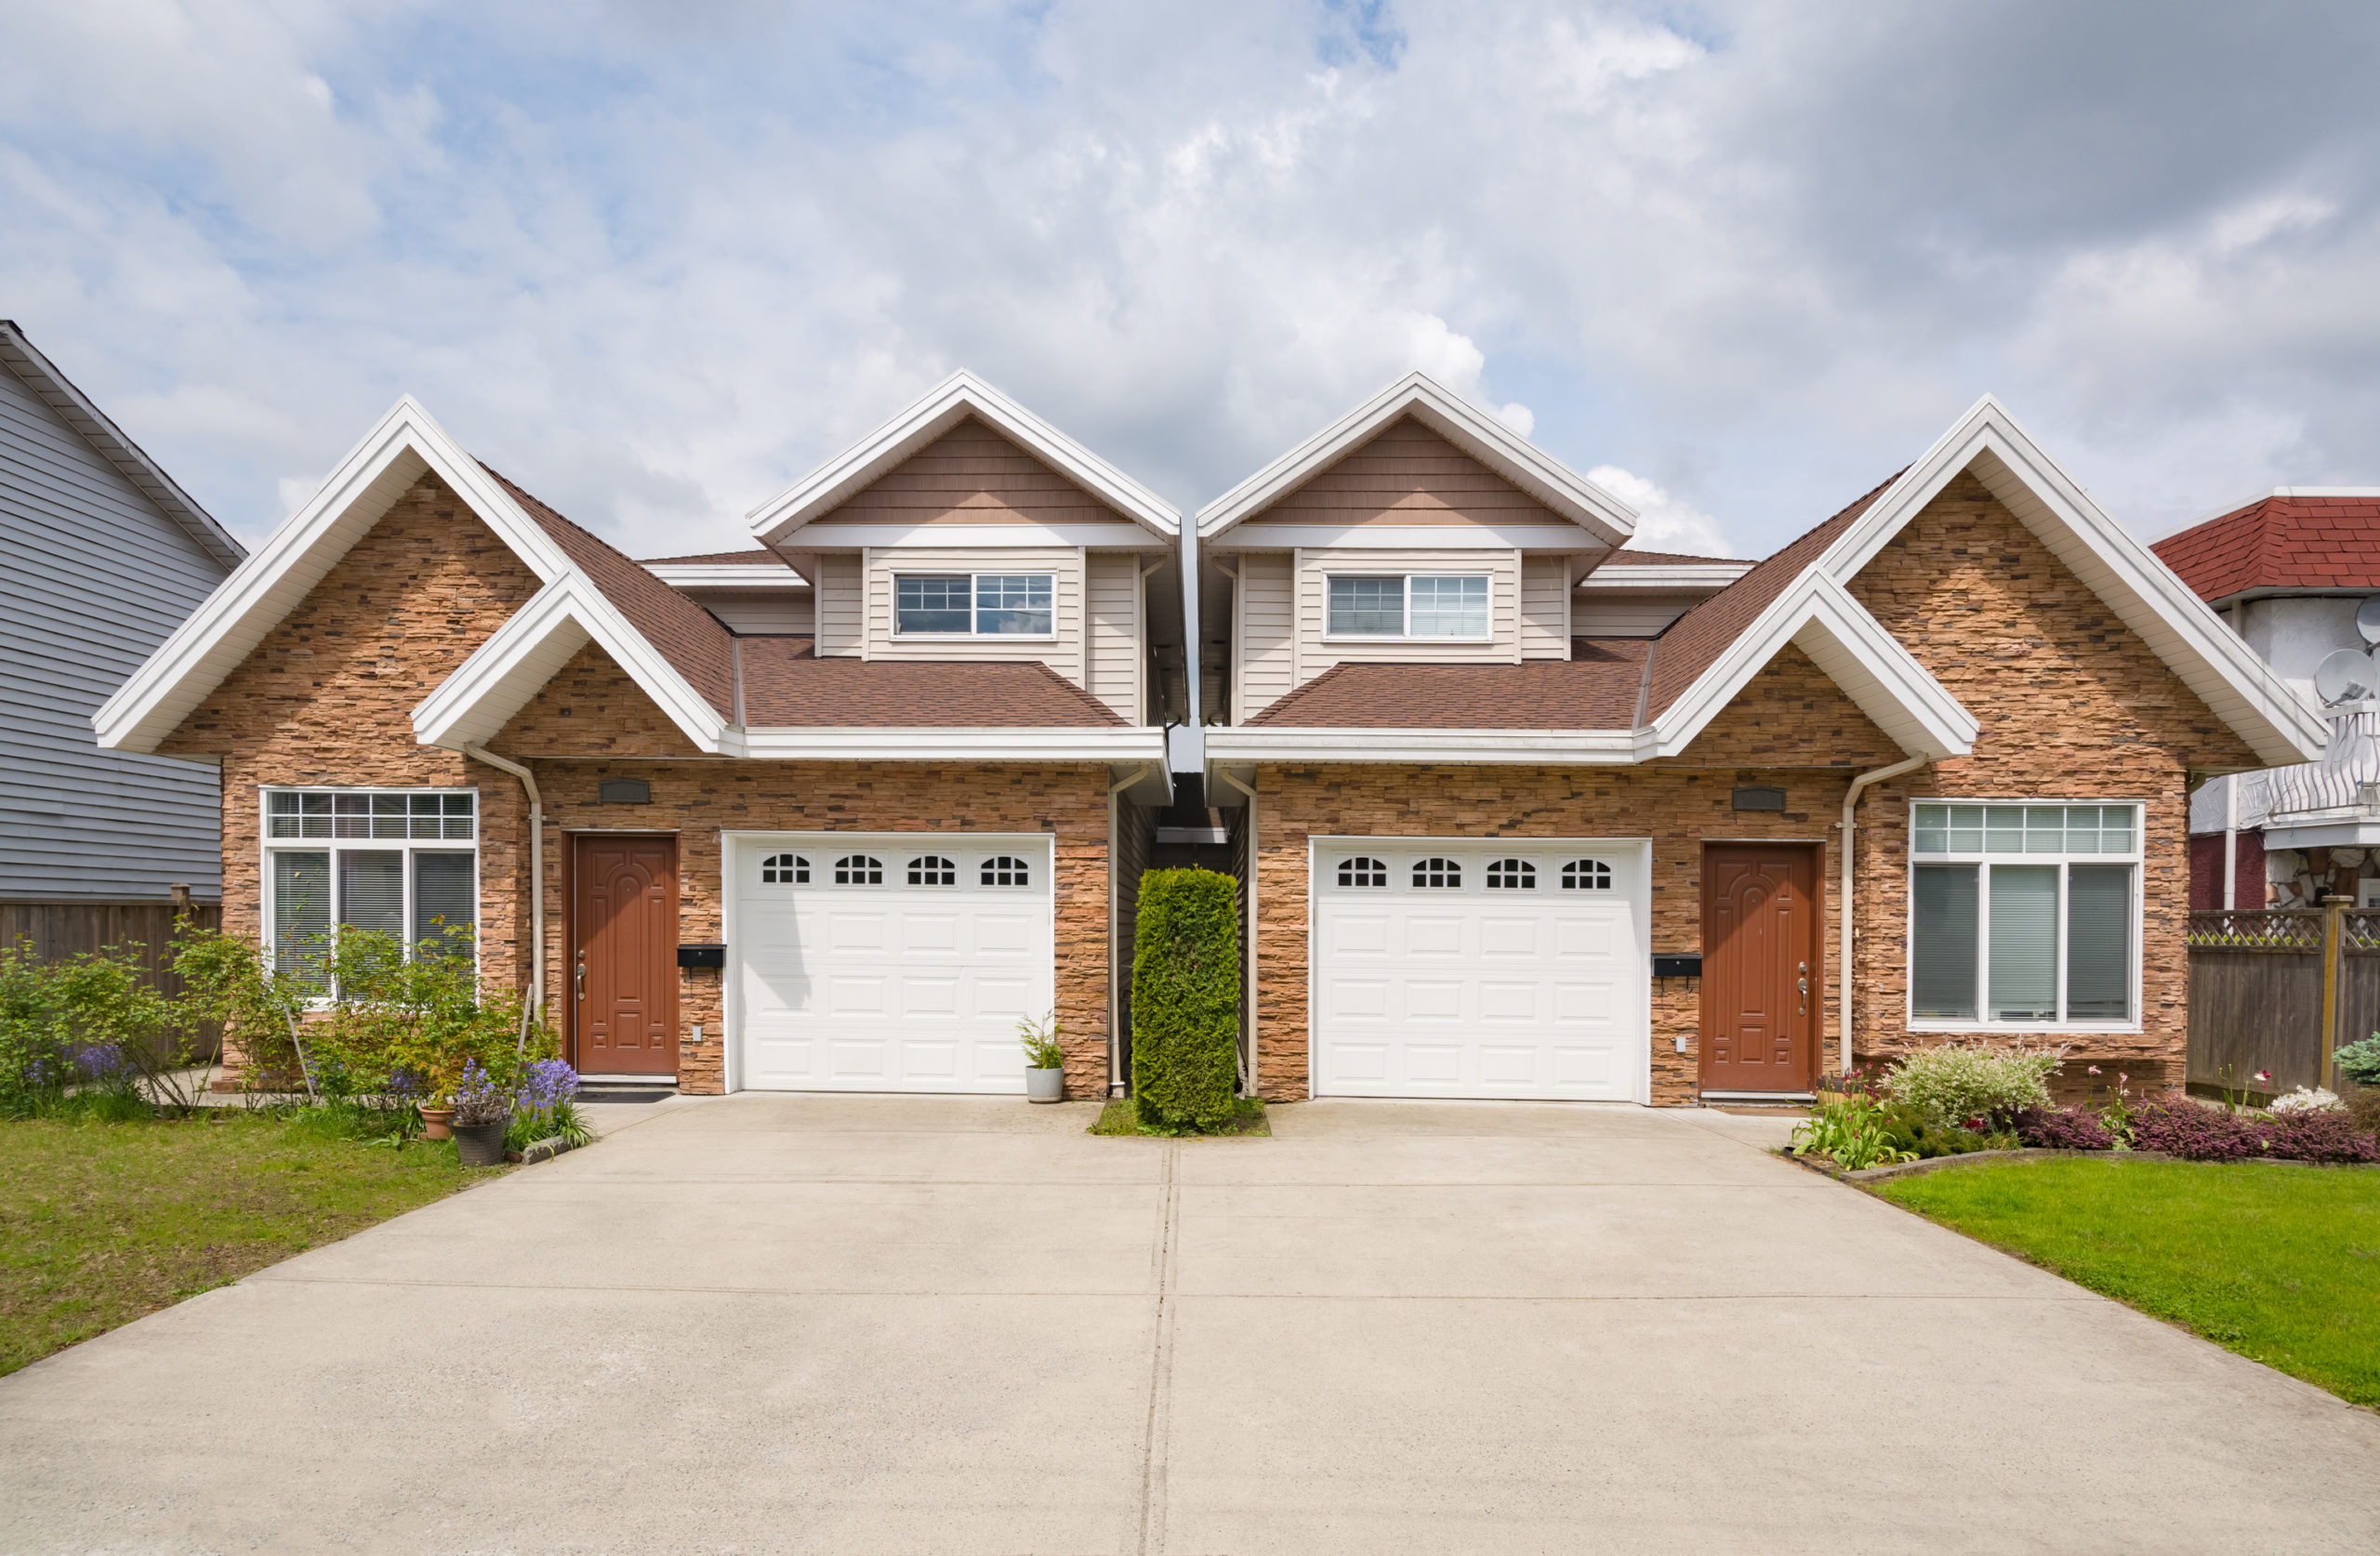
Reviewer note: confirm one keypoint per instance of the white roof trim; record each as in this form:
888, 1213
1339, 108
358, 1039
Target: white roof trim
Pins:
92, 423
1671, 577
1462, 424
1090, 743
943, 408
1236, 745
2276, 721
501, 676
725, 575
401, 447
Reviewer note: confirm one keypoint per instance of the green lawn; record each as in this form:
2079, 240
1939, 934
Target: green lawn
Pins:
2280, 1264
101, 1224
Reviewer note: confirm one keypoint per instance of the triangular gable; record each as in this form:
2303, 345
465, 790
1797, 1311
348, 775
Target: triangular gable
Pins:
954, 400
404, 445
1606, 519
2162, 612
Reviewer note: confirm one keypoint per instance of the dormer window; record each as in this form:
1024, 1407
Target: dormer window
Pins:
975, 605
1445, 607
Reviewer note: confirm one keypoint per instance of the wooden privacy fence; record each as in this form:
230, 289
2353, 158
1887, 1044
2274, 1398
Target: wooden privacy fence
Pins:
2276, 990
59, 930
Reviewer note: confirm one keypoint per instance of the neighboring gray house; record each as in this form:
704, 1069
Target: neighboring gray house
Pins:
101, 557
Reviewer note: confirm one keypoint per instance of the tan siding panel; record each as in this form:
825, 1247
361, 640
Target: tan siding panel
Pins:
971, 475
1114, 644
1267, 632
751, 611
1408, 475
1546, 608
1628, 616
839, 605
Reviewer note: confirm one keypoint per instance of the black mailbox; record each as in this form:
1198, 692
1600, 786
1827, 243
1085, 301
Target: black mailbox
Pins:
1678, 967
713, 955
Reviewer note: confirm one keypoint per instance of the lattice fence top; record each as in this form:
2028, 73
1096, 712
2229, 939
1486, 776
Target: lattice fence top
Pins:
2286, 929
2360, 931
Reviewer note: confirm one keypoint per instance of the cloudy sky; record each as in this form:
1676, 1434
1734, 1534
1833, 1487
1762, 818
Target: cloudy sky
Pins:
1741, 260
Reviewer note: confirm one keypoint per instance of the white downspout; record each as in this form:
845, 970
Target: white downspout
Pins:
1249, 993
1846, 901
2230, 841
1115, 988
537, 879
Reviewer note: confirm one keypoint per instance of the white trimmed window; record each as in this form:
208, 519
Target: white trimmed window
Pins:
975, 605
1442, 606
403, 862
2023, 916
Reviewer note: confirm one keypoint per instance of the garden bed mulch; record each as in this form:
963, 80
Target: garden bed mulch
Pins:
1826, 1168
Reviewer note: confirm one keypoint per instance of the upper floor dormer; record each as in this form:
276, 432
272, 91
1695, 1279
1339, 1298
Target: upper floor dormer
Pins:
966, 528
1418, 529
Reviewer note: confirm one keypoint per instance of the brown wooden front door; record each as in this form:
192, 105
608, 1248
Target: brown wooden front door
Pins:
624, 956
1761, 993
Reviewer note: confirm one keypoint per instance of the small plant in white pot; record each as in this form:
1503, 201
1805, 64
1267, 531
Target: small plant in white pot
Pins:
1045, 1061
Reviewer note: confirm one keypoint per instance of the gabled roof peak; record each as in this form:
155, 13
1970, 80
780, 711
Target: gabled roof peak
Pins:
1471, 428
933, 414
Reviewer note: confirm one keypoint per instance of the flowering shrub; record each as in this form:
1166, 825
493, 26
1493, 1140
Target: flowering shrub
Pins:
2062, 1129
2320, 1136
2309, 1098
1959, 1081
91, 1028
2194, 1133
477, 1099
545, 1107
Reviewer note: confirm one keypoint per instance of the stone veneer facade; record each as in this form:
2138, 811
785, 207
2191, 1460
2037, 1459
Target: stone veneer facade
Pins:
2071, 704
326, 699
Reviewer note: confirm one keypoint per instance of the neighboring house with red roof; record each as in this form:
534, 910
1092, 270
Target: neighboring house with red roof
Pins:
834, 813
1508, 840
2289, 570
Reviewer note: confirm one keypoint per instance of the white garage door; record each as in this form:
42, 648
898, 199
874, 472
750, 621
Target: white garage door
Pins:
889, 963
1455, 967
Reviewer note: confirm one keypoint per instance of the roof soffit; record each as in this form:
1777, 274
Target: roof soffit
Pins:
777, 521
1605, 519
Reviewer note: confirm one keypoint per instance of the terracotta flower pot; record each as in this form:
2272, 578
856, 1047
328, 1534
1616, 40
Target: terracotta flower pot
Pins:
436, 1123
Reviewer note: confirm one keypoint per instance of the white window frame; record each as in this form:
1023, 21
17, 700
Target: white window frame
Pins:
974, 606
270, 845
1984, 860
1405, 580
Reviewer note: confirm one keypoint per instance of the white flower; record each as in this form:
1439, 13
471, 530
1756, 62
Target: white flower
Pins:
2308, 1099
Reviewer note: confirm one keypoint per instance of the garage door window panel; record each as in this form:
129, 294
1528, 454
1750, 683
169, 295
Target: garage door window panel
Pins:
859, 869
1439, 874
931, 869
1007, 870
1363, 873
2023, 916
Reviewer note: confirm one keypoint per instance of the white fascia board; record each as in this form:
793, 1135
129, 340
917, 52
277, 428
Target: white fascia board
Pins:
841, 535
726, 576
2276, 721
1470, 428
270, 583
1238, 744
1818, 616
501, 676
1138, 744
1608, 579
1260, 534
943, 408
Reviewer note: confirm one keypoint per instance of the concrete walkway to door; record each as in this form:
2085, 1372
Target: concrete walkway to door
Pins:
879, 1325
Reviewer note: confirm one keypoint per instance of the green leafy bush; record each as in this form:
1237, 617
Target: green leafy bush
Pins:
90, 1033
1853, 1133
2361, 1061
1951, 1085
1185, 1001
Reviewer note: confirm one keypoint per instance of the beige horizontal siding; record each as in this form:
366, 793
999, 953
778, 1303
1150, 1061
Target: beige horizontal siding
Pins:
838, 608
971, 475
1063, 654
1628, 616
783, 611
1264, 628
1546, 608
1115, 646
1408, 474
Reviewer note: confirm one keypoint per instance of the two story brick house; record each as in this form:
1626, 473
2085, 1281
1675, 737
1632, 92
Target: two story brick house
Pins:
837, 836
1495, 855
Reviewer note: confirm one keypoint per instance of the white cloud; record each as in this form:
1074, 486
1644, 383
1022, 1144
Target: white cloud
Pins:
1663, 522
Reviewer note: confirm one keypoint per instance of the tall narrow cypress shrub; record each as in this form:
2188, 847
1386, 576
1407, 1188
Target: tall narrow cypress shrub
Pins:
1185, 1001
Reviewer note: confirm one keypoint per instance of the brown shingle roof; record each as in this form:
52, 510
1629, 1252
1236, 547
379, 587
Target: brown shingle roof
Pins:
1594, 689
2280, 543
1696, 639
1630, 557
689, 637
757, 556
787, 685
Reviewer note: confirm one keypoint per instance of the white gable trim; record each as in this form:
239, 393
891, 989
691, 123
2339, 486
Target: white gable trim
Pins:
401, 447
501, 676
1478, 434
2181, 629
943, 408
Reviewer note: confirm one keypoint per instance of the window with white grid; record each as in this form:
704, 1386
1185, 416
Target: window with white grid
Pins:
399, 862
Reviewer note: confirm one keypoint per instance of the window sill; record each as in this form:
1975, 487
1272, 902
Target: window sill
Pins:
2024, 1029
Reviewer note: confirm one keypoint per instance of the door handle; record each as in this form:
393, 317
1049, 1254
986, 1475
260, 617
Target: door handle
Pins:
579, 980
1802, 984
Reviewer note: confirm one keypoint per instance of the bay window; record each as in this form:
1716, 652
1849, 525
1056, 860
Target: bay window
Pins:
1409, 605
2024, 914
403, 862
975, 605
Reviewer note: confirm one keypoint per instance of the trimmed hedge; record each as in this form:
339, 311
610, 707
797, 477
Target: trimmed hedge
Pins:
1185, 1001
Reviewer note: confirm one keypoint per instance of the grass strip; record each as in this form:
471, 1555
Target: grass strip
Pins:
103, 1222
2279, 1264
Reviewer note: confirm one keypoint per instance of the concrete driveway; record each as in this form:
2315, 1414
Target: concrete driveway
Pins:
878, 1325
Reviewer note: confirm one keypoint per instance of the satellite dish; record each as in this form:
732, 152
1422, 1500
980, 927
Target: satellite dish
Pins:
2345, 676
2367, 618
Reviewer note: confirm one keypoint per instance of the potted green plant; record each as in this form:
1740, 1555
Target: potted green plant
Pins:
1045, 1060
482, 1111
